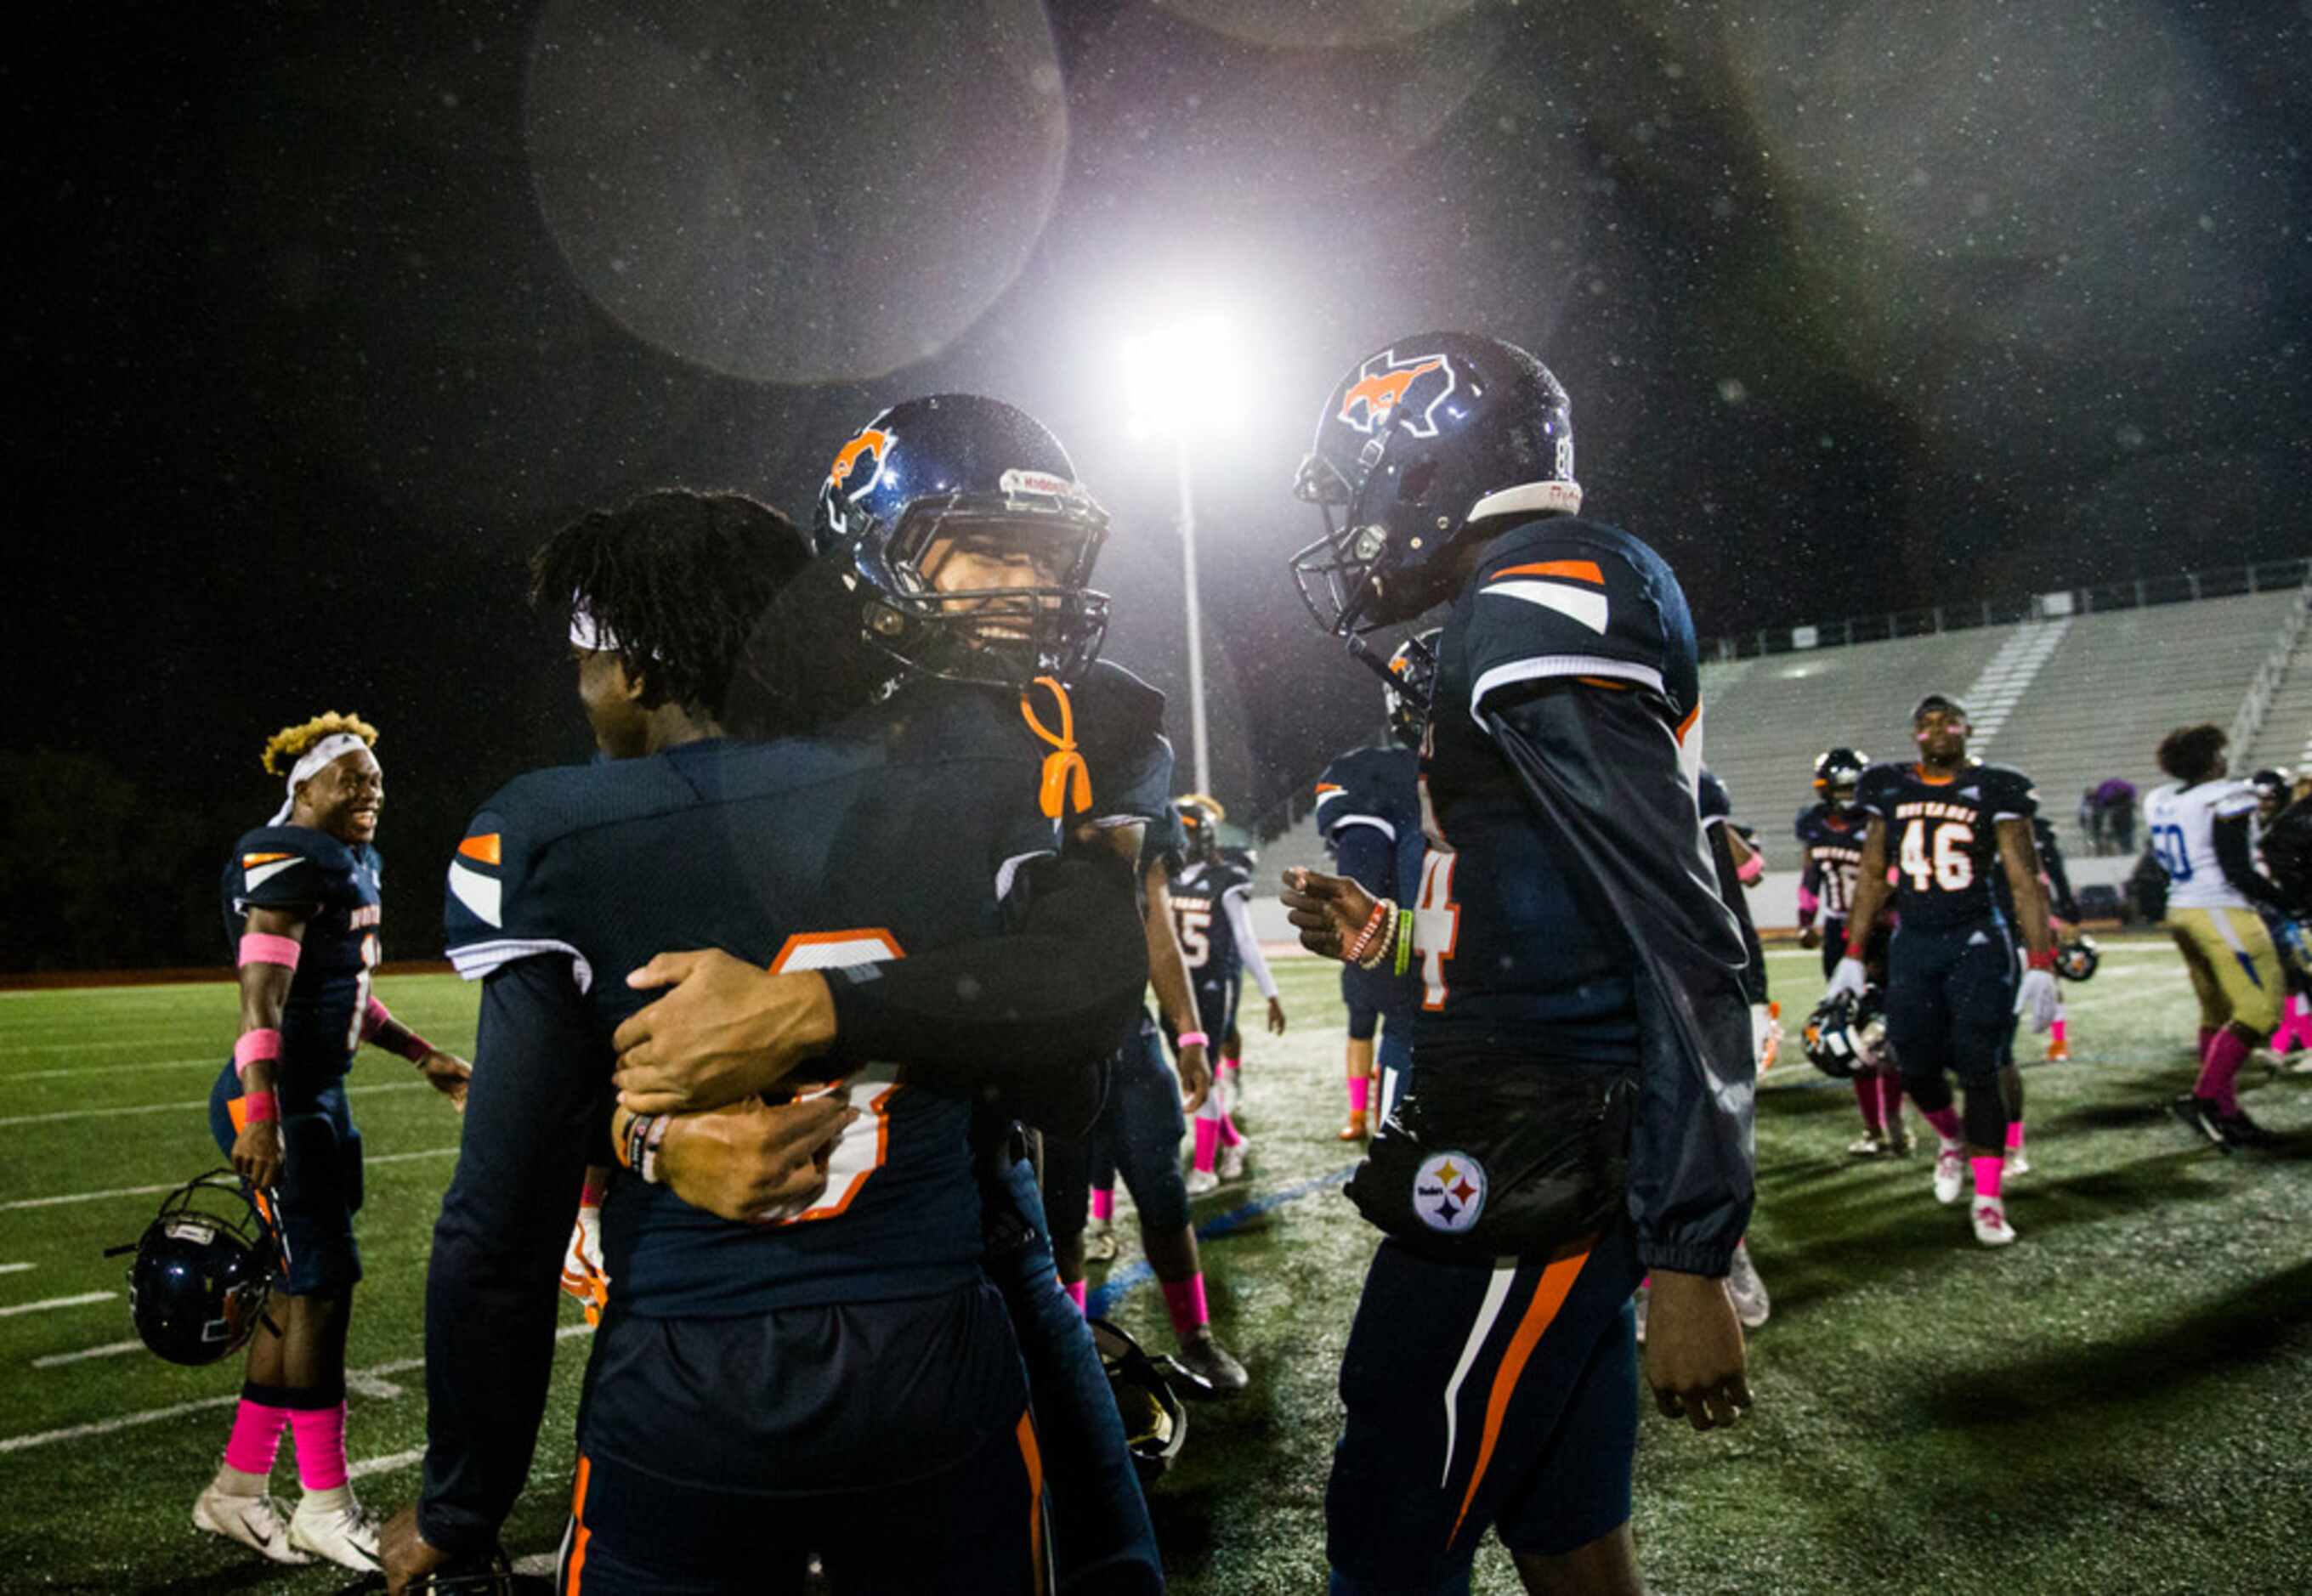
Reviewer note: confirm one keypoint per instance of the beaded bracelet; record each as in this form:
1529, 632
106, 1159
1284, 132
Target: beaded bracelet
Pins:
1381, 911
1377, 954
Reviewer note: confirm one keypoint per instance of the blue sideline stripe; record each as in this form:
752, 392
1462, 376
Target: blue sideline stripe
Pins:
1112, 1289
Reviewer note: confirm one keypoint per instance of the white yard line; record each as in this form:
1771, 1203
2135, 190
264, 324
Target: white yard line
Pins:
105, 1427
82, 1300
13, 1268
182, 1108
385, 1465
111, 1349
49, 1202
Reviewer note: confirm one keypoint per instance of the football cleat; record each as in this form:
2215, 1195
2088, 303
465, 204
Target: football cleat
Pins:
1203, 1182
1231, 1162
1354, 1131
2201, 1115
1099, 1242
2240, 1131
1989, 1216
1951, 1174
1898, 1141
2017, 1163
256, 1522
1208, 1362
2059, 1050
1751, 1303
345, 1535
1865, 1147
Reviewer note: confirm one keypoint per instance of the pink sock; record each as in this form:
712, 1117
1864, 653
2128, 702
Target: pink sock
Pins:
2014, 1136
1987, 1173
1183, 1300
321, 1446
1359, 1086
1208, 1141
256, 1437
2206, 1036
2057, 1030
1866, 1098
1890, 1098
1103, 1203
1229, 1135
1946, 1123
2292, 1029
2219, 1066
1075, 1290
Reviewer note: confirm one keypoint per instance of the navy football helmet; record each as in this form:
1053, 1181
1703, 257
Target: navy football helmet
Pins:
1836, 770
1155, 1422
956, 471
202, 1270
1411, 679
1846, 1034
1200, 818
1424, 437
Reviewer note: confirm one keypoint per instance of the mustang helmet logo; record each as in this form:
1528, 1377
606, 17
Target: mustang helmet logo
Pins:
1385, 384
871, 441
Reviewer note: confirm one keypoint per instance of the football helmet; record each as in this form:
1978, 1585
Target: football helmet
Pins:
2077, 959
1201, 818
1422, 439
2273, 786
202, 1270
1836, 770
1846, 1034
1155, 1421
1412, 677
953, 471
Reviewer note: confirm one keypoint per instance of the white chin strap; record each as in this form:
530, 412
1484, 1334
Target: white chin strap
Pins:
1529, 497
318, 758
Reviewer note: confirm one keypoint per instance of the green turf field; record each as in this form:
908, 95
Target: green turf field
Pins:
2117, 1403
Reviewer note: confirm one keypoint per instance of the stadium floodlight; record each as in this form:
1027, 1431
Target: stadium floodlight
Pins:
1170, 394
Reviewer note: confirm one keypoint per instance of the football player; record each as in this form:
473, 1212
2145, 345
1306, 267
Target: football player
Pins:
2201, 829
1830, 833
2274, 794
1582, 1012
1368, 814
302, 908
900, 1392
1947, 824
1212, 915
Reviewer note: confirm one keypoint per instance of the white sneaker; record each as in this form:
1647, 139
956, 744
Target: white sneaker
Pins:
2018, 1163
2303, 1064
1099, 1242
255, 1522
1991, 1226
1951, 1174
345, 1535
1864, 1146
1203, 1180
1751, 1303
1231, 1166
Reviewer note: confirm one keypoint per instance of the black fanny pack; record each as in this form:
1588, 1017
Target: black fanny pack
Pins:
1500, 1159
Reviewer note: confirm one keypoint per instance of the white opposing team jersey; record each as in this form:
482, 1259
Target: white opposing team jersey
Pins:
2183, 825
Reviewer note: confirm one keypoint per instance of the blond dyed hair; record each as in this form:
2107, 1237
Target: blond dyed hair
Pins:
286, 746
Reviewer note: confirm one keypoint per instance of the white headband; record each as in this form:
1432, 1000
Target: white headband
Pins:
318, 758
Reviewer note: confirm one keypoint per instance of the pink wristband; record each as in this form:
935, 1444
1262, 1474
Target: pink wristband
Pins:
264, 1042
1192, 1039
590, 1195
1750, 869
262, 947
259, 1106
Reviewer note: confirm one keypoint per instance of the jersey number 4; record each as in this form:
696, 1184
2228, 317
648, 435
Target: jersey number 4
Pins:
1942, 861
860, 1150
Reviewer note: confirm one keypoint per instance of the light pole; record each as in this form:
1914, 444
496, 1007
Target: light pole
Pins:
1151, 367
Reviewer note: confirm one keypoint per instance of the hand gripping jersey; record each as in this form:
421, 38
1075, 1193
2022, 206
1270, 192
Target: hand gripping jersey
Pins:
1942, 838
1830, 844
897, 831
2182, 821
1378, 789
1508, 953
336, 886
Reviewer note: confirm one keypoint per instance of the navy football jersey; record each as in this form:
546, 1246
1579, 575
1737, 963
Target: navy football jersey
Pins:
1830, 851
1199, 894
1508, 953
895, 831
335, 886
1380, 787
1121, 719
1942, 837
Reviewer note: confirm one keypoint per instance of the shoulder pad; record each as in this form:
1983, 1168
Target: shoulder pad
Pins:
1566, 598
1115, 710
283, 866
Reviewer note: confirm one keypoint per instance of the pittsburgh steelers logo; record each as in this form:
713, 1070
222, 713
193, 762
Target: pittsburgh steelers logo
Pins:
1448, 1191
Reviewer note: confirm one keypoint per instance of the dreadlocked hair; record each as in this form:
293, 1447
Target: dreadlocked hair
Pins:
286, 746
2189, 752
679, 579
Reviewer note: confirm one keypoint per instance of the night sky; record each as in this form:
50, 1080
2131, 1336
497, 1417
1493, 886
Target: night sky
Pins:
325, 315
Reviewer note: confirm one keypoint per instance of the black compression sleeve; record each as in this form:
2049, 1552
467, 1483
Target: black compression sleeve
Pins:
1367, 857
1059, 992
541, 1075
2235, 853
